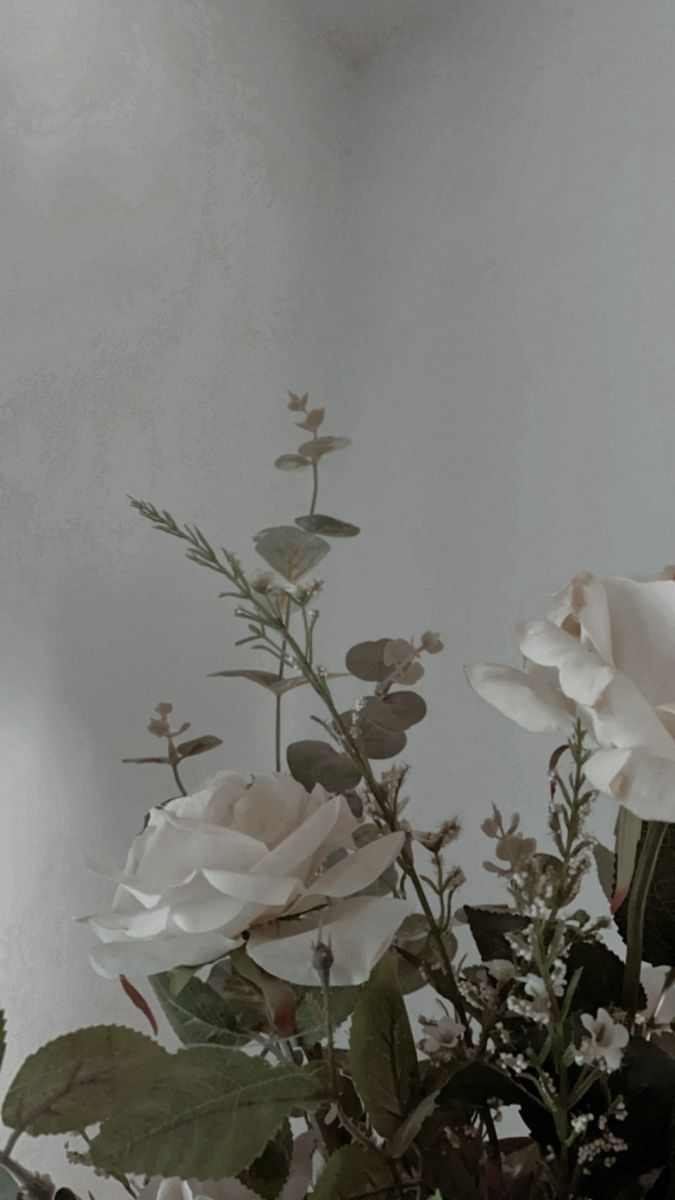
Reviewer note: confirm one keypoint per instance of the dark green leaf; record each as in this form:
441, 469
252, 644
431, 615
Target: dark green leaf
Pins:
382, 1051
323, 445
290, 550
396, 711
291, 462
81, 1078
209, 1113
317, 762
309, 1016
197, 1015
328, 526
489, 927
355, 1173
268, 1174
3, 1036
605, 866
198, 745
406, 1133
601, 982
659, 927
376, 741
365, 660
474, 1082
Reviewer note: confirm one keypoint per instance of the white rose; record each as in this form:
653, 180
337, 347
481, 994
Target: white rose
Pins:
233, 859
605, 654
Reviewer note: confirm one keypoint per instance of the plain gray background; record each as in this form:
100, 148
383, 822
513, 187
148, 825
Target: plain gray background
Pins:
452, 223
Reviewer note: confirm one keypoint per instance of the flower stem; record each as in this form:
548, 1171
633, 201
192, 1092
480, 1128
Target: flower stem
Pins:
637, 905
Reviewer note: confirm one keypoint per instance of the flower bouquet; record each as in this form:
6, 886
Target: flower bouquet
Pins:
287, 924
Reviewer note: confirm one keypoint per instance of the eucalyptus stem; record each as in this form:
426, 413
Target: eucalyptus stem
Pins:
637, 905
37, 1186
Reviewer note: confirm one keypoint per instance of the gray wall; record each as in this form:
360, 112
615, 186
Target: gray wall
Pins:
464, 249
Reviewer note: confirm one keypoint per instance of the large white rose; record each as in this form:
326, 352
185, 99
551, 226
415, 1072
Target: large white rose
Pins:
234, 859
606, 654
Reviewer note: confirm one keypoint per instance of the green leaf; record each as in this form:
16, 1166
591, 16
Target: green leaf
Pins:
407, 1132
396, 711
355, 1173
323, 445
9, 1188
659, 927
198, 745
291, 462
309, 1016
604, 865
474, 1082
365, 660
290, 550
317, 762
3, 1036
489, 927
329, 526
209, 1113
270, 680
376, 741
601, 982
81, 1078
382, 1052
197, 1015
268, 1174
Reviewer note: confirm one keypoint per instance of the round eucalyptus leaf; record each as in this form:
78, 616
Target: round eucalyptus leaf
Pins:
365, 660
330, 526
323, 445
313, 762
290, 550
198, 745
396, 711
291, 462
377, 742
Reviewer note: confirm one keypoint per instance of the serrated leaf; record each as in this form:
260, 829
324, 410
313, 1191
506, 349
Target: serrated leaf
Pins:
382, 1051
328, 526
365, 660
355, 1173
209, 1113
292, 462
489, 926
659, 926
289, 550
323, 445
601, 982
268, 1174
81, 1078
313, 762
310, 1017
197, 1015
198, 745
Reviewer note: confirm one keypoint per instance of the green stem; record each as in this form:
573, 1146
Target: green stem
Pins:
637, 905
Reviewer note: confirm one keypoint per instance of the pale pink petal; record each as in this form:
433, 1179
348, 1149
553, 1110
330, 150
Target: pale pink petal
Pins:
527, 700
160, 953
144, 923
584, 603
303, 851
642, 782
358, 870
583, 674
358, 930
643, 634
258, 886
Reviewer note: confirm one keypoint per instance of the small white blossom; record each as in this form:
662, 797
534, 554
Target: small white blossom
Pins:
605, 1042
440, 1037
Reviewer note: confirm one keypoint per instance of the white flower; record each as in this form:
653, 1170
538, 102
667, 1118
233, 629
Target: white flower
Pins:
222, 866
605, 654
440, 1037
605, 1042
501, 969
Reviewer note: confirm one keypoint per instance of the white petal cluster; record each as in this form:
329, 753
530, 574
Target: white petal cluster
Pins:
605, 654
605, 1041
246, 861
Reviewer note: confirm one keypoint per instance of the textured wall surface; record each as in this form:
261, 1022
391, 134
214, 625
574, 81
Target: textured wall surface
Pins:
464, 250
171, 204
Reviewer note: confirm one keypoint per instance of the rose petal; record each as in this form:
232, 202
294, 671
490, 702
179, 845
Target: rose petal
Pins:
644, 783
360, 869
160, 953
303, 851
527, 700
583, 674
358, 930
584, 600
256, 886
643, 634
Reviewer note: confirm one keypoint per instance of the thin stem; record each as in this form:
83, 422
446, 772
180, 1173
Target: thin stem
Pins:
174, 759
315, 492
637, 904
278, 698
35, 1185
